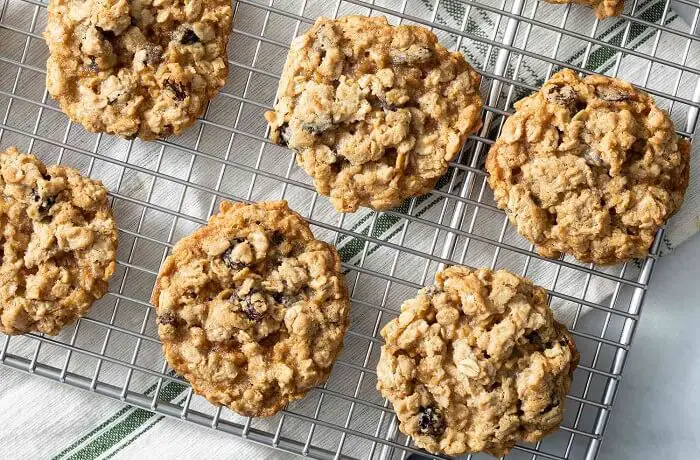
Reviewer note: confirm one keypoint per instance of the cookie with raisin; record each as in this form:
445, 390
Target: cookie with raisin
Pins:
589, 167
58, 247
375, 112
251, 308
136, 68
476, 362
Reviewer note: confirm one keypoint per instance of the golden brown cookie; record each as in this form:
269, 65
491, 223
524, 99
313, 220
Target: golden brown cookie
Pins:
602, 8
590, 167
59, 244
476, 362
374, 112
136, 68
252, 310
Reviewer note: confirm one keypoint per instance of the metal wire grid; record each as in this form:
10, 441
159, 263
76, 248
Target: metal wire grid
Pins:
161, 191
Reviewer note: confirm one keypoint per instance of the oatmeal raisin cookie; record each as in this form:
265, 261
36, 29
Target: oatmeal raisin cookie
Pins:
252, 309
374, 112
476, 362
58, 244
136, 67
589, 166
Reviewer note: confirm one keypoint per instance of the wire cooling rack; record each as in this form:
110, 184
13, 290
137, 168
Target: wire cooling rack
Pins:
163, 190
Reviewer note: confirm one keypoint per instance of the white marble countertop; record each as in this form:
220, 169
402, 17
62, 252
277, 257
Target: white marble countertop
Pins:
657, 410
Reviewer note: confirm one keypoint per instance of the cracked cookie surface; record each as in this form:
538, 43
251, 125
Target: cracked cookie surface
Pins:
251, 309
374, 112
602, 8
476, 362
590, 167
136, 68
58, 244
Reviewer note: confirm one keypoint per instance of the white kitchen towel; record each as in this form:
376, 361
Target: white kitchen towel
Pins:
42, 419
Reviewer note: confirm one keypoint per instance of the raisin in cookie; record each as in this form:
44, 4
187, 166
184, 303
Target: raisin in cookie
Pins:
136, 68
589, 166
59, 244
252, 309
476, 362
603, 8
374, 112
